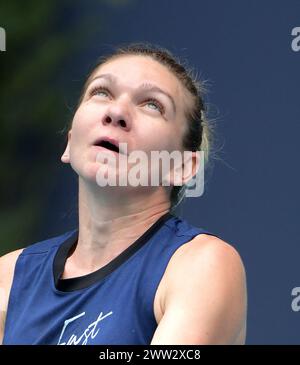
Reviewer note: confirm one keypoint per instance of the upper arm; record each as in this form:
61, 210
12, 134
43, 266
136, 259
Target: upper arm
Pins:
205, 299
7, 267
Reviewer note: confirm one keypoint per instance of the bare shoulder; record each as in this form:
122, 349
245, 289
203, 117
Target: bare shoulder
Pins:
7, 268
207, 253
216, 263
204, 287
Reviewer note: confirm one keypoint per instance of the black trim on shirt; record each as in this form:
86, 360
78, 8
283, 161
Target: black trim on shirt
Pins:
84, 281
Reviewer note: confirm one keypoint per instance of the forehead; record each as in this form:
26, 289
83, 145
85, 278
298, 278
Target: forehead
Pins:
135, 69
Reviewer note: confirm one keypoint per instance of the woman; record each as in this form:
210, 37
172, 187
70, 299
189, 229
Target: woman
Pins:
133, 272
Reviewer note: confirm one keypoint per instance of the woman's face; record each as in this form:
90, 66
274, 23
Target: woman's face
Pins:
134, 100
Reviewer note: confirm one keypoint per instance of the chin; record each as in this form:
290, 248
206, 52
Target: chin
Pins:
93, 171
87, 172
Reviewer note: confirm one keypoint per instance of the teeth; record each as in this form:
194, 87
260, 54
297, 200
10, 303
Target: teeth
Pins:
109, 146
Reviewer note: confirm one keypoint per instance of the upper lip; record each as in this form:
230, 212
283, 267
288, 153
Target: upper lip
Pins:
111, 140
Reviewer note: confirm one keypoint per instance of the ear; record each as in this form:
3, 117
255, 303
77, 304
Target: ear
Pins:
189, 168
65, 158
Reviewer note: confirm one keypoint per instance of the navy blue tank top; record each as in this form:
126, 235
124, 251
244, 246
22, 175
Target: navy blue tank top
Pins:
111, 306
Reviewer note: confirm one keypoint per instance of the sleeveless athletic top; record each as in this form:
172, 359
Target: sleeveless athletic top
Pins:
111, 306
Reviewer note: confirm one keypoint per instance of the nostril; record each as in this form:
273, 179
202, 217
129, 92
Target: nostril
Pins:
122, 122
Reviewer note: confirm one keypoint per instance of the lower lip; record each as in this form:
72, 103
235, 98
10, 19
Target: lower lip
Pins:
100, 148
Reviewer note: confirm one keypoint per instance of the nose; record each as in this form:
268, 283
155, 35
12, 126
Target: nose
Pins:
118, 116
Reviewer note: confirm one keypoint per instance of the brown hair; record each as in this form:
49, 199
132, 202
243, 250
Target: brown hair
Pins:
199, 134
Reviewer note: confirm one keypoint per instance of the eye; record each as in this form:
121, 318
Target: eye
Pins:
155, 105
99, 91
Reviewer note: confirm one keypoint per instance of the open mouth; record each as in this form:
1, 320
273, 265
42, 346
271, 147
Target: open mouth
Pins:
108, 145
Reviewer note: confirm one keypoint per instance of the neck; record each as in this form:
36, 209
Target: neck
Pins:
111, 220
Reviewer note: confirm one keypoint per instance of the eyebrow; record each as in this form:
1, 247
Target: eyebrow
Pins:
144, 86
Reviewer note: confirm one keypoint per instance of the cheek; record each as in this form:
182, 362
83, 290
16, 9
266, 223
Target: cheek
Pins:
80, 120
81, 126
164, 139
172, 137
177, 136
